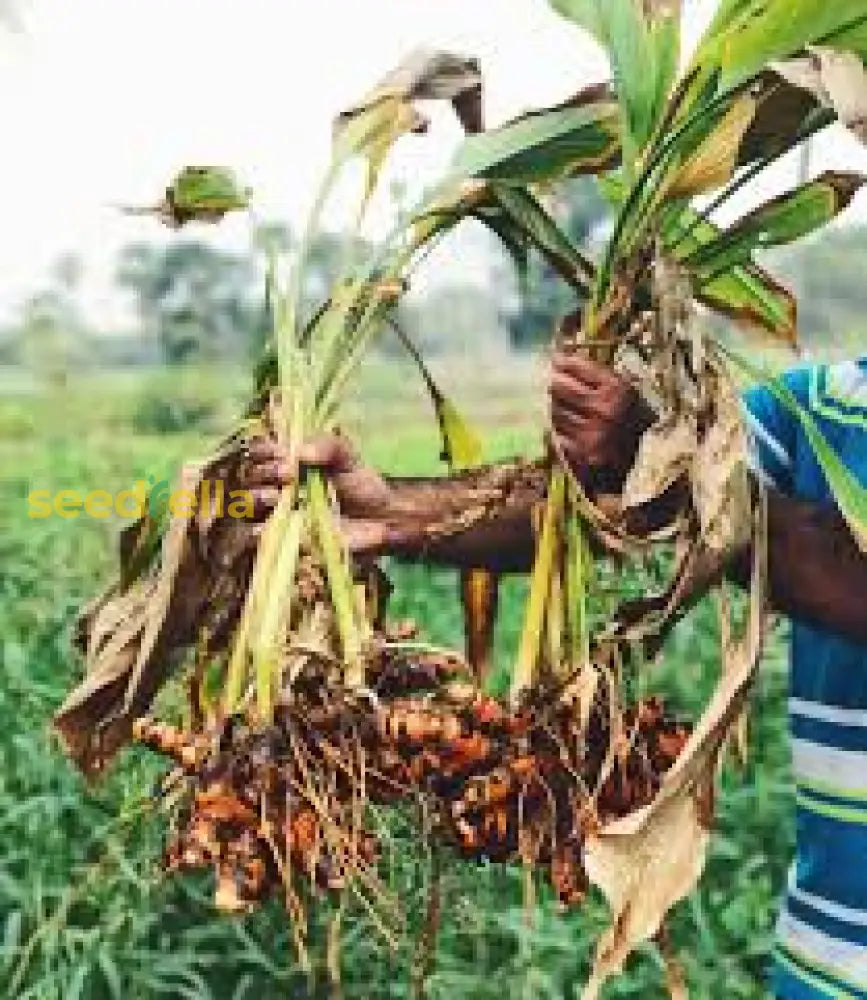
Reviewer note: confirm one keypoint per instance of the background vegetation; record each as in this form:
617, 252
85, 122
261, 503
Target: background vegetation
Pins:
84, 910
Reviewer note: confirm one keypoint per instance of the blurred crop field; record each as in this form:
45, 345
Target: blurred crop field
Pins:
84, 909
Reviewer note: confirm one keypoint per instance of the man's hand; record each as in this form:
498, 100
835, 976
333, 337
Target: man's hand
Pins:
597, 419
364, 496
438, 520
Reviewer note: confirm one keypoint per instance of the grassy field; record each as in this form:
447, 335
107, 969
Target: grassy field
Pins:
84, 910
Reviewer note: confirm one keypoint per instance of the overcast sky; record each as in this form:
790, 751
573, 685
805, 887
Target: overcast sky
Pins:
104, 99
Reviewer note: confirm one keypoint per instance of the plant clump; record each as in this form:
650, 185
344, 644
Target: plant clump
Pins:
306, 710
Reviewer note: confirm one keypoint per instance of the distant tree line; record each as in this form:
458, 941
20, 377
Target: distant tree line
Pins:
196, 302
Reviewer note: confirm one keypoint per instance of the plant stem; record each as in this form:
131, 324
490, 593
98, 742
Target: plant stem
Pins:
340, 580
540, 588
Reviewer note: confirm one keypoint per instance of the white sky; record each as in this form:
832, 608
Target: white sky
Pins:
105, 99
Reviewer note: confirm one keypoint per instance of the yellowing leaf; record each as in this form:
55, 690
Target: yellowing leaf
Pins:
461, 446
754, 300
259, 595
374, 130
348, 616
269, 635
464, 448
714, 163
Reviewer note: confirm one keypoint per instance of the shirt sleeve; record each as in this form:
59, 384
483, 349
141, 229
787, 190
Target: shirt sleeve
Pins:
773, 431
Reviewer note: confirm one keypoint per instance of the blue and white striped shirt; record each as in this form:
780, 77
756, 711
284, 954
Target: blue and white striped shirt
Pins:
822, 944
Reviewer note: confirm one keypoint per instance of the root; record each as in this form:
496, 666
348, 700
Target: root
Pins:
270, 811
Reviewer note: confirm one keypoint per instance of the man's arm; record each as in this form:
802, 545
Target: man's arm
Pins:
484, 518
481, 519
818, 575
477, 519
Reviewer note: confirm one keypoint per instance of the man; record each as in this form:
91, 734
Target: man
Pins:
818, 577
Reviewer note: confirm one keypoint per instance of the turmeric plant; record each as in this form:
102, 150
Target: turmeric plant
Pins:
308, 705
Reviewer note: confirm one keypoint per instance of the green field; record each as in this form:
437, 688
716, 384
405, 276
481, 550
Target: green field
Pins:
84, 910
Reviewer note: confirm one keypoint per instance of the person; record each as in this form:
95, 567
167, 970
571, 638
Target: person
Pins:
817, 577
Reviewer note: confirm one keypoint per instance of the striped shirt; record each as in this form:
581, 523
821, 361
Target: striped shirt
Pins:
822, 940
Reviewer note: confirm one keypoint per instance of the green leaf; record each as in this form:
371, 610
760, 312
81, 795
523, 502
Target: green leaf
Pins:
578, 137
849, 494
208, 189
745, 293
643, 51
777, 223
340, 582
645, 198
518, 218
545, 235
743, 40
747, 37
853, 36
198, 194
587, 14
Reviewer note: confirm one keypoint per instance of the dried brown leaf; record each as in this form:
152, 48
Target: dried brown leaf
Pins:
664, 455
644, 865
426, 75
381, 117
131, 637
650, 860
782, 109
719, 478
837, 79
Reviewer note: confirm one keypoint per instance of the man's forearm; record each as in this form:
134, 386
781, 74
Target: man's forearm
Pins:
818, 575
479, 519
484, 518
